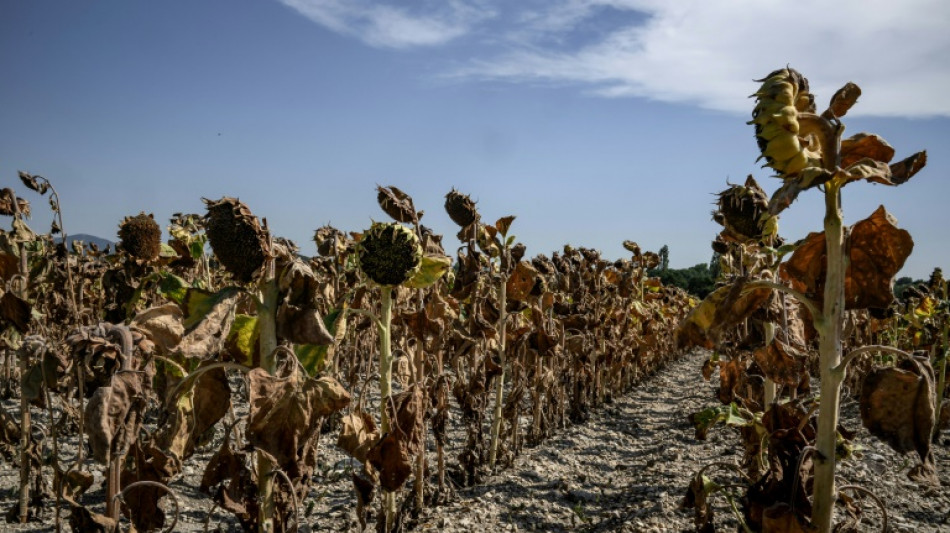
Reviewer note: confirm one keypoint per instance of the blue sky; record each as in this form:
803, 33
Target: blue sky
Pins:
592, 121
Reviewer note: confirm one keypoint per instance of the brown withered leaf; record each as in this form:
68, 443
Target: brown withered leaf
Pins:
286, 414
108, 410
84, 520
15, 311
358, 434
723, 308
521, 281
878, 251
302, 325
142, 505
419, 324
697, 496
392, 455
162, 325
905, 169
781, 363
865, 145
73, 484
195, 413
232, 485
898, 407
842, 101
397, 204
503, 224
730, 376
870, 170
781, 518
207, 320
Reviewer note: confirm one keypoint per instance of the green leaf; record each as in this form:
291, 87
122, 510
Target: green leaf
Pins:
199, 302
172, 287
707, 418
197, 248
430, 270
243, 339
312, 357
315, 358
167, 251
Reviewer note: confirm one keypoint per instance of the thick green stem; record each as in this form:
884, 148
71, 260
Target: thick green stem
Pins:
829, 349
386, 386
500, 384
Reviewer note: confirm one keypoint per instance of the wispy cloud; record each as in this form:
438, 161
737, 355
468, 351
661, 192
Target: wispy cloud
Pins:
700, 52
393, 25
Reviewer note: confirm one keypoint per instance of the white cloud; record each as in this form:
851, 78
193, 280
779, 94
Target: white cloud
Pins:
706, 52
393, 25
701, 52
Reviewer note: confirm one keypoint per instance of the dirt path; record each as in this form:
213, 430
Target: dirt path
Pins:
625, 469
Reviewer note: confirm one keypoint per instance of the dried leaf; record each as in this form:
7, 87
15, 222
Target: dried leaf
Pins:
722, 309
397, 204
843, 99
162, 325
195, 412
898, 407
358, 434
781, 363
865, 145
15, 311
878, 251
780, 518
232, 485
302, 325
286, 415
521, 281
84, 520
504, 224
207, 320
142, 505
871, 171
392, 455
108, 410
697, 496
905, 169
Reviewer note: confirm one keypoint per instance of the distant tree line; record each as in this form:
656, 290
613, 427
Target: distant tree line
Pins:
698, 280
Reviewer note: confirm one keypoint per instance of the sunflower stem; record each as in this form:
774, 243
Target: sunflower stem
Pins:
500, 384
385, 386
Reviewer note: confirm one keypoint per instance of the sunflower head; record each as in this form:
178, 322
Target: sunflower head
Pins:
389, 253
236, 237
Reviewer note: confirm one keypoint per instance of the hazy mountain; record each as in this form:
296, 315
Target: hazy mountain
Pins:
91, 239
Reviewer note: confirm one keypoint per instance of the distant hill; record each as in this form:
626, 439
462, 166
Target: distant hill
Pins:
91, 239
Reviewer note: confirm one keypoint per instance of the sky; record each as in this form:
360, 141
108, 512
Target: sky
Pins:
592, 121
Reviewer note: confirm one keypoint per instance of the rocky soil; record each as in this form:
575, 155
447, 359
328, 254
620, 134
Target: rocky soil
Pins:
625, 469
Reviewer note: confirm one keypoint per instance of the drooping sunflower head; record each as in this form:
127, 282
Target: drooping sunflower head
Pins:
140, 236
781, 98
740, 209
329, 240
461, 208
237, 238
389, 253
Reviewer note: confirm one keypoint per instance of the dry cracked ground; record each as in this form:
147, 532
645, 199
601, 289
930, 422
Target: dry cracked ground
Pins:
625, 469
